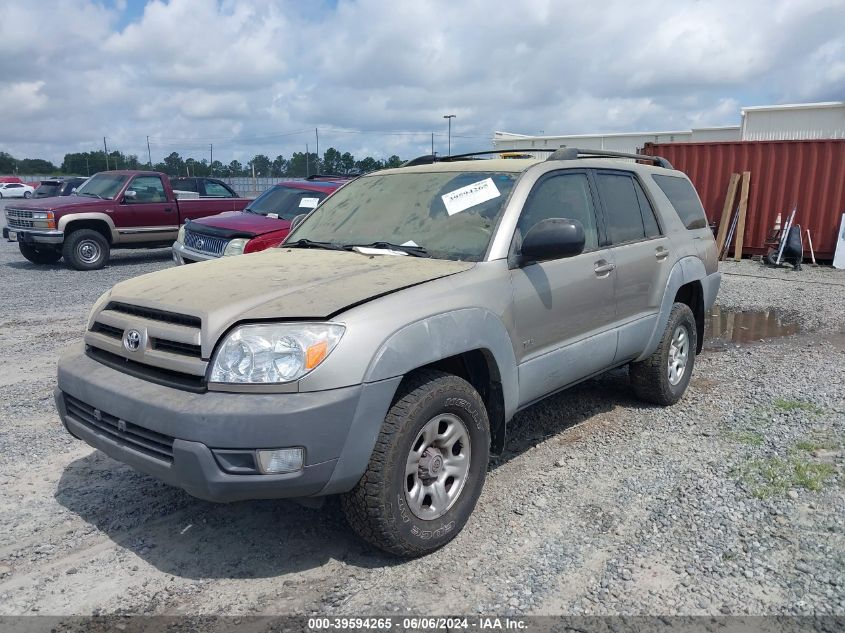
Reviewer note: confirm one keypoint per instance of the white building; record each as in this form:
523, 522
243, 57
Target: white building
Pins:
783, 122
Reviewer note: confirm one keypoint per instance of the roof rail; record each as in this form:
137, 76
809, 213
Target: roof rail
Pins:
572, 153
331, 176
428, 159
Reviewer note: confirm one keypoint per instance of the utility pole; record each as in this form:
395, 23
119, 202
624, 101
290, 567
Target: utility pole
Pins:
87, 169
106, 148
211, 158
449, 117
317, 135
149, 154
307, 160
432, 143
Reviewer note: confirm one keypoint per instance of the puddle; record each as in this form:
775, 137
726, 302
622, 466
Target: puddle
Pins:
725, 328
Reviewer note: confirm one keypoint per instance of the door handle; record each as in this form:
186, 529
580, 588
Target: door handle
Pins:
604, 268
168, 209
661, 253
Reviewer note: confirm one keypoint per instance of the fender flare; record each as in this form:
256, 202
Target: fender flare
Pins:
684, 271
97, 217
443, 335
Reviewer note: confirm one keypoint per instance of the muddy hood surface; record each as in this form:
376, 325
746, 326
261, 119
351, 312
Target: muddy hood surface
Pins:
278, 284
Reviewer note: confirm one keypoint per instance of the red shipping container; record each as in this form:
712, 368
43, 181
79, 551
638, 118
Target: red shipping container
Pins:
784, 174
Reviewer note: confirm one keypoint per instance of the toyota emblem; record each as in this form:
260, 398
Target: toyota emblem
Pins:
200, 244
132, 340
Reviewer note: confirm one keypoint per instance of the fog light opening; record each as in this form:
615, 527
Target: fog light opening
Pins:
282, 460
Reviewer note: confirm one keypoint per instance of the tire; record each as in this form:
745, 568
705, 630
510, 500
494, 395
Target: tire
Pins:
435, 410
772, 258
36, 256
653, 378
27, 194
86, 249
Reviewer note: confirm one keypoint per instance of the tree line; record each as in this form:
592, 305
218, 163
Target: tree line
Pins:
298, 165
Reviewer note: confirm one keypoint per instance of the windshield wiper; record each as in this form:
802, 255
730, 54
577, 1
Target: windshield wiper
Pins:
414, 251
88, 193
330, 246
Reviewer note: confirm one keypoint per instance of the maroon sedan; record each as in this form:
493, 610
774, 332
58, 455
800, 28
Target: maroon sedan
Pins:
264, 223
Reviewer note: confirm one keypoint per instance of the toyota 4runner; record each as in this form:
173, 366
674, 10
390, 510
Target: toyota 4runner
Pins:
380, 352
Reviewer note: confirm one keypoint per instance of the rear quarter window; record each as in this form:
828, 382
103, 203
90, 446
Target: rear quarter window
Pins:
684, 199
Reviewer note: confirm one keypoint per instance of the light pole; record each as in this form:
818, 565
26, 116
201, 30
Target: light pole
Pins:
449, 117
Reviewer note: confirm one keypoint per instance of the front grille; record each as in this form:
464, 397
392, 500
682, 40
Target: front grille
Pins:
18, 213
157, 375
205, 243
175, 347
108, 330
18, 223
150, 443
155, 315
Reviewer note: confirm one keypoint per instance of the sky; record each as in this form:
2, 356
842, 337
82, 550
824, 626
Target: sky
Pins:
376, 77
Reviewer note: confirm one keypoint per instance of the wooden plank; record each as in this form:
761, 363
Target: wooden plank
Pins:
743, 207
725, 220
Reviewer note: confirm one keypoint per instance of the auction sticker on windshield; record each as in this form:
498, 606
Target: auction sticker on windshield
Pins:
309, 203
469, 196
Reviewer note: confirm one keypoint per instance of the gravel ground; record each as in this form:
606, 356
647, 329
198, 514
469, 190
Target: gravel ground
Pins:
732, 501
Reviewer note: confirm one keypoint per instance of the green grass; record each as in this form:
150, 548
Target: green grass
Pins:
796, 405
749, 437
775, 476
821, 444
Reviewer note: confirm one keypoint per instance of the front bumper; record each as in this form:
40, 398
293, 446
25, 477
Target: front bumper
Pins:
184, 255
30, 236
337, 429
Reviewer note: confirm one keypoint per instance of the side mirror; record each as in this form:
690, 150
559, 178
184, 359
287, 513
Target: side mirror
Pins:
130, 194
554, 238
297, 221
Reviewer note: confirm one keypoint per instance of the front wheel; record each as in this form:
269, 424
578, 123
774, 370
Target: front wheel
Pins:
27, 194
662, 378
427, 469
86, 249
39, 256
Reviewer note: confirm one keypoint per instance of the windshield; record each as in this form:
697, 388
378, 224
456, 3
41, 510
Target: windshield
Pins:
451, 215
48, 189
286, 202
102, 186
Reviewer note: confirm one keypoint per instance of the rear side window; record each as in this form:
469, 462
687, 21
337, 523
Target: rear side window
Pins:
216, 190
185, 185
684, 199
621, 208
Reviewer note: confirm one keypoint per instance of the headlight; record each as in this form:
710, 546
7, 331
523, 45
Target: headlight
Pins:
235, 247
181, 236
261, 354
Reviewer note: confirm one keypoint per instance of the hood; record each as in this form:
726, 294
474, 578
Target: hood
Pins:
238, 223
278, 284
59, 203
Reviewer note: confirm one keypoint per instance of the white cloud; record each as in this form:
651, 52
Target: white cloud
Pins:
239, 73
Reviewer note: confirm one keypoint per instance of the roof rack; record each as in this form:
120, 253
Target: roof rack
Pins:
428, 159
564, 153
331, 176
573, 153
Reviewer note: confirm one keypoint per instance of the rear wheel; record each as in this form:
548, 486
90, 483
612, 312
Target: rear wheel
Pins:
27, 194
39, 256
427, 469
662, 378
86, 249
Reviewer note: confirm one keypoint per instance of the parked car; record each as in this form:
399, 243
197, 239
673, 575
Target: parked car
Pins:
52, 187
15, 190
205, 187
113, 209
264, 223
381, 351
10, 179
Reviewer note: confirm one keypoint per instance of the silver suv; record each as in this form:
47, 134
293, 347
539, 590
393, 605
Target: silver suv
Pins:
380, 352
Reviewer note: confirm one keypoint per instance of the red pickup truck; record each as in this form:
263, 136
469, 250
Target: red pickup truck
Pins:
113, 209
261, 225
